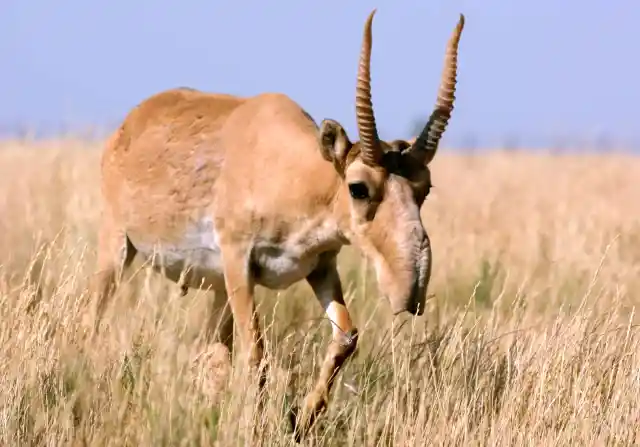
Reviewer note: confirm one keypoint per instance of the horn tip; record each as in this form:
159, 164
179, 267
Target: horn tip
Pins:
371, 14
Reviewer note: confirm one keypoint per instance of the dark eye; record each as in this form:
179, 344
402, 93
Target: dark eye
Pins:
359, 191
428, 190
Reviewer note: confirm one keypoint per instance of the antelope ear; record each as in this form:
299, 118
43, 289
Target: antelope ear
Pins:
334, 143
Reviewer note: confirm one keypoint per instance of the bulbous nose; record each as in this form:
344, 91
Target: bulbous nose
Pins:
418, 298
406, 282
422, 277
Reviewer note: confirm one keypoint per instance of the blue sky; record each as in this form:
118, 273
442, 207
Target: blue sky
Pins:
535, 70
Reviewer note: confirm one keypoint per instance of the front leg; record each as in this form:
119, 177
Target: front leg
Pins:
115, 256
239, 289
325, 282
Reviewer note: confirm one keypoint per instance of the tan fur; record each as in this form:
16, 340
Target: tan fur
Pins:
224, 192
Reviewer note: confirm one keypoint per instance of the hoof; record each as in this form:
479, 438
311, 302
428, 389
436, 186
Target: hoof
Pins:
293, 417
298, 428
210, 371
301, 420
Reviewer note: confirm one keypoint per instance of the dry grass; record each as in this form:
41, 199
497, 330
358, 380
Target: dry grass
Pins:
531, 337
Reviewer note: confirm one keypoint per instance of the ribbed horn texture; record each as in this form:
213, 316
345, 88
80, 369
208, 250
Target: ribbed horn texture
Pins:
427, 142
371, 152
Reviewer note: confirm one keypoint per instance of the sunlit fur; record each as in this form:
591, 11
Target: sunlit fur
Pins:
223, 193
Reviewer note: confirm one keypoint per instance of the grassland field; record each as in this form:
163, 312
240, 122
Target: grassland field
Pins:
530, 337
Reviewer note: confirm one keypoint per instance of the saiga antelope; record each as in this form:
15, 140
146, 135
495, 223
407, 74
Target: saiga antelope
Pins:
244, 191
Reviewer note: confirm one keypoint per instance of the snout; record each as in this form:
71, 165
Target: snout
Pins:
414, 299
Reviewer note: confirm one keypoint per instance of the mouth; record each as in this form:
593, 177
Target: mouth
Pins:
416, 305
414, 311
414, 301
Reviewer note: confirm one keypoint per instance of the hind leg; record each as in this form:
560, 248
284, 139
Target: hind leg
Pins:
115, 255
212, 364
219, 327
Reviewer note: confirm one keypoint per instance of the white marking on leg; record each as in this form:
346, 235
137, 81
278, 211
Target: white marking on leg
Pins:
334, 311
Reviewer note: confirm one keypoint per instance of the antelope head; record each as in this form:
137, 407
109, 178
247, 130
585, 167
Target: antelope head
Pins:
384, 184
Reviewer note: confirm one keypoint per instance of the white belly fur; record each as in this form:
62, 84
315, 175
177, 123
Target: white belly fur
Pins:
198, 253
277, 266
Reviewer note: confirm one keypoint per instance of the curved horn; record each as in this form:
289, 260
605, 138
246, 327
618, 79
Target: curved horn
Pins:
426, 144
371, 152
